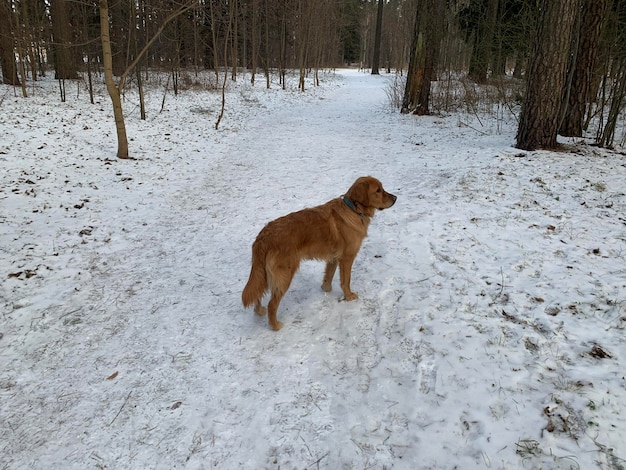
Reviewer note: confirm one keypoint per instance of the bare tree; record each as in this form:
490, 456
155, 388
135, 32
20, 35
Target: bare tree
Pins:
255, 38
303, 34
231, 18
612, 95
7, 54
114, 88
377, 38
64, 64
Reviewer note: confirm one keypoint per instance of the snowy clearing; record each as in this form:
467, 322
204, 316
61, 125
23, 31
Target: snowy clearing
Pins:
489, 332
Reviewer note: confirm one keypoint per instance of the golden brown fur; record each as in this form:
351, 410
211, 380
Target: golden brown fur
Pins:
332, 232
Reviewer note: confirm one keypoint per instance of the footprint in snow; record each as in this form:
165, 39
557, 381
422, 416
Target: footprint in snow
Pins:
427, 376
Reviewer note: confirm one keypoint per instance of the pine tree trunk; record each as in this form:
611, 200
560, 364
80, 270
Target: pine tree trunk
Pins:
580, 92
546, 76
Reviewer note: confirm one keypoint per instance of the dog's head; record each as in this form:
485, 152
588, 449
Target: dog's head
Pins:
369, 194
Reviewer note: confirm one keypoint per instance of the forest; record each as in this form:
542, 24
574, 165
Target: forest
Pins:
564, 60
488, 332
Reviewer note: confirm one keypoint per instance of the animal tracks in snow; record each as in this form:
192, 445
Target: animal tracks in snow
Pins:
427, 376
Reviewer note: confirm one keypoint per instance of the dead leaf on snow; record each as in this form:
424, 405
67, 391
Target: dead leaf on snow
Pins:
599, 353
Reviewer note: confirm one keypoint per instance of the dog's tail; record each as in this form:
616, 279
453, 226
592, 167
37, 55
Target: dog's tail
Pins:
257, 283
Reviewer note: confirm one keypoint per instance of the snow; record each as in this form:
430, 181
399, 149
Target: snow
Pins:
489, 330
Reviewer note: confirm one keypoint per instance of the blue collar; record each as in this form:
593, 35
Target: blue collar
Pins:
352, 206
349, 203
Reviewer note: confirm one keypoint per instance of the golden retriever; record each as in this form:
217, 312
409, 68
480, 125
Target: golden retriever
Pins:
332, 232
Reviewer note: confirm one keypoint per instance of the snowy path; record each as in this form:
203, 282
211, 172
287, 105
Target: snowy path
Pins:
487, 293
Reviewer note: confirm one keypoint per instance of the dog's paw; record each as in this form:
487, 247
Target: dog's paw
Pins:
260, 310
276, 326
327, 287
351, 296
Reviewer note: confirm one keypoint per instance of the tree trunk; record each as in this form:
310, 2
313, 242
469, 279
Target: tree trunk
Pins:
30, 52
254, 37
377, 38
64, 64
618, 99
304, 28
7, 50
221, 115
266, 61
107, 60
423, 59
112, 88
118, 37
234, 39
214, 41
483, 42
546, 77
580, 91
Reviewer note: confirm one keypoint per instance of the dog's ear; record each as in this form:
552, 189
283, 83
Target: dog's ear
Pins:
359, 191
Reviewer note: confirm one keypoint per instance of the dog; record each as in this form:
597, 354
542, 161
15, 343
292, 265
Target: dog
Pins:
332, 232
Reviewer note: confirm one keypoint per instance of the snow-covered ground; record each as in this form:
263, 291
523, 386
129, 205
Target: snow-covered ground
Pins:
489, 330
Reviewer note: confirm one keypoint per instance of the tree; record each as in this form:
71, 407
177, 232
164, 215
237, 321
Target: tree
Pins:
423, 60
546, 76
478, 20
64, 64
350, 15
114, 89
612, 94
7, 49
377, 38
581, 90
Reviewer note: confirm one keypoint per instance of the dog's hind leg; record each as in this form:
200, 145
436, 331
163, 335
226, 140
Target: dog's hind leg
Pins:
327, 283
259, 309
272, 307
280, 276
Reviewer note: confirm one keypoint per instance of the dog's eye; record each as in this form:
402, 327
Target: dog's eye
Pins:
378, 190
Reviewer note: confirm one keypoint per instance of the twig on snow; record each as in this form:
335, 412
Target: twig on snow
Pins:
317, 462
121, 408
471, 127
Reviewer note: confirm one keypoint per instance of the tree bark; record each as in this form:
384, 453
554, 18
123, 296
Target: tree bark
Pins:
7, 44
112, 88
618, 99
546, 77
64, 64
423, 58
580, 91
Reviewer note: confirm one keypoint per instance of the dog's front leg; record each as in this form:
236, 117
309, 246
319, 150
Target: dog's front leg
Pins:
345, 273
327, 283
